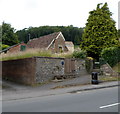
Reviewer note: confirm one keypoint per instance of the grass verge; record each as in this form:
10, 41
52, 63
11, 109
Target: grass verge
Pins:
109, 78
117, 67
69, 85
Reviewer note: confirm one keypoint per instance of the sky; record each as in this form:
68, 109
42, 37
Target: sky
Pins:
26, 13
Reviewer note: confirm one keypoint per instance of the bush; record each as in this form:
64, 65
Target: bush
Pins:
111, 55
89, 64
79, 54
102, 61
3, 46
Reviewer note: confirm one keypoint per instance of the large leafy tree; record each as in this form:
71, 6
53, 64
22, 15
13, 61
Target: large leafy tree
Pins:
100, 31
9, 36
119, 33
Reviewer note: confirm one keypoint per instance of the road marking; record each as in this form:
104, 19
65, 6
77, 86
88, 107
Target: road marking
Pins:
106, 106
78, 92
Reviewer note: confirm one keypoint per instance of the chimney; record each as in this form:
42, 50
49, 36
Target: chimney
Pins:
29, 37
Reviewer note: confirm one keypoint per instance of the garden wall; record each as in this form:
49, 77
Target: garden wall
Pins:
80, 68
20, 71
47, 68
107, 70
41, 69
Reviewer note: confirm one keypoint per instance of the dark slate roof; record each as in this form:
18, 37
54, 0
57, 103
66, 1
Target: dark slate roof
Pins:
43, 41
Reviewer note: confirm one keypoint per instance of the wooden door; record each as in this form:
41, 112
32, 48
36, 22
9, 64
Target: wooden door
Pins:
69, 66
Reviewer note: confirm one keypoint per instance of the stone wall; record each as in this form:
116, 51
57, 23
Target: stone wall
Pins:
20, 71
48, 68
107, 70
41, 69
80, 67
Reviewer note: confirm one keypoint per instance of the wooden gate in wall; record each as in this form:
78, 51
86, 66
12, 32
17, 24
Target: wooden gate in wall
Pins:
69, 66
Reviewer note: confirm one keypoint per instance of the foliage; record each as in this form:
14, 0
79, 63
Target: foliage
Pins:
42, 53
102, 61
76, 46
70, 33
119, 33
3, 46
100, 31
117, 67
9, 36
63, 55
32, 53
109, 78
26, 54
111, 55
79, 54
89, 58
89, 64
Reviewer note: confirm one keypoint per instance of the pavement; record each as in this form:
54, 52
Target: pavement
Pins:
12, 91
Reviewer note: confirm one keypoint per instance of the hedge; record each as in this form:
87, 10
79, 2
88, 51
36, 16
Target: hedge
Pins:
79, 54
111, 55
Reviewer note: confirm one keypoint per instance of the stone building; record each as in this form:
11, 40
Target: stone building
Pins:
70, 46
54, 42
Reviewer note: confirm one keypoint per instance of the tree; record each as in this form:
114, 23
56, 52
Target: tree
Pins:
119, 33
100, 31
9, 36
70, 33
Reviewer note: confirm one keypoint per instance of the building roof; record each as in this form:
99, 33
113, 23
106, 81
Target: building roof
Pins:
43, 41
69, 43
5, 50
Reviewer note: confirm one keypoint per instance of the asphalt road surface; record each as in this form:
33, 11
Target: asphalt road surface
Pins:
100, 100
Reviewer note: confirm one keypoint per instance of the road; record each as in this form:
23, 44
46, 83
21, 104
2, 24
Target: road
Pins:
100, 100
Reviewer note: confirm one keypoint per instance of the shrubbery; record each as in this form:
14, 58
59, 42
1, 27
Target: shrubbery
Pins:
79, 54
111, 55
89, 64
3, 46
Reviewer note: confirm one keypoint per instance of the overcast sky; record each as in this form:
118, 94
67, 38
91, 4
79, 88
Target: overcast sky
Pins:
25, 13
